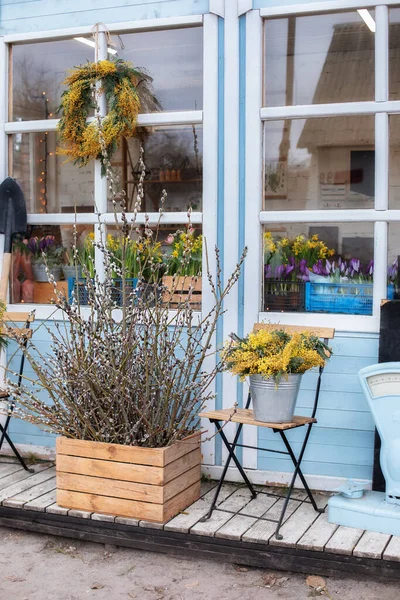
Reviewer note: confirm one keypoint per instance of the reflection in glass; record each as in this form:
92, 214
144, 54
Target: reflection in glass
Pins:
28, 279
38, 72
394, 54
318, 59
394, 161
319, 268
319, 163
173, 158
174, 59
50, 184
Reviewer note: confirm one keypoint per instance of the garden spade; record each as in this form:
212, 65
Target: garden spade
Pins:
12, 220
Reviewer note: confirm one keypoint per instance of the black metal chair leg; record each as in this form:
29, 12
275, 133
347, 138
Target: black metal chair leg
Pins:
300, 473
6, 437
231, 455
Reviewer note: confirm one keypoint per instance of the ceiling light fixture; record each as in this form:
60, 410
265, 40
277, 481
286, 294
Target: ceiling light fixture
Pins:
368, 19
90, 43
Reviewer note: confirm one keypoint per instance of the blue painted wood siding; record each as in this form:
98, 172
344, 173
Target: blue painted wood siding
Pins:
342, 442
21, 16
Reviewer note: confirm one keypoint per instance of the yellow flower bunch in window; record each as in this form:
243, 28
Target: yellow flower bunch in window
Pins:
274, 353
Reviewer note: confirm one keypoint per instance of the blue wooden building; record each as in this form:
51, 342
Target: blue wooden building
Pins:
292, 110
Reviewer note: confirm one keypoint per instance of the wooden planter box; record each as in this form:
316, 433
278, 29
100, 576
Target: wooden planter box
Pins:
178, 290
153, 484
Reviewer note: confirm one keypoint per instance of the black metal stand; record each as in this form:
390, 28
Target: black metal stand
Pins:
231, 447
4, 428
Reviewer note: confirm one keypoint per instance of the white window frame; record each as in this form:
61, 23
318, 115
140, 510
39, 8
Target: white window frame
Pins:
207, 117
256, 115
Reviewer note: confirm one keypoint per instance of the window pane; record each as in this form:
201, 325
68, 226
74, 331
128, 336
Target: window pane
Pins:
319, 163
394, 257
174, 59
318, 268
50, 184
38, 72
173, 157
394, 54
317, 59
28, 280
394, 161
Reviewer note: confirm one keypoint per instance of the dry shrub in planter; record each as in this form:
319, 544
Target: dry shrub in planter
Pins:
124, 385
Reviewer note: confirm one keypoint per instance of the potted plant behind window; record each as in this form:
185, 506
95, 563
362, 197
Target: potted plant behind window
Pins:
275, 361
47, 255
183, 269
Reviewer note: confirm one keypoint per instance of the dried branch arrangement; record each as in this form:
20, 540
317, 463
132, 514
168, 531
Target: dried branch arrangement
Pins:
133, 375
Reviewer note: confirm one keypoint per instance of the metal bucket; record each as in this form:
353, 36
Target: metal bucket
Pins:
273, 404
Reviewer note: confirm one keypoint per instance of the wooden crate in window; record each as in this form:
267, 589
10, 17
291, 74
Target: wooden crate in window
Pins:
179, 289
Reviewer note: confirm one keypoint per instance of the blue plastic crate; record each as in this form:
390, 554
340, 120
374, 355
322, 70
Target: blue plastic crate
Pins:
347, 298
78, 286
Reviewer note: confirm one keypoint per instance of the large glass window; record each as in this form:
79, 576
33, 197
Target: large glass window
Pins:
323, 163
318, 59
173, 156
318, 268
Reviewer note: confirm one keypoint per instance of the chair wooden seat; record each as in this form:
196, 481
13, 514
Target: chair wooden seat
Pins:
245, 416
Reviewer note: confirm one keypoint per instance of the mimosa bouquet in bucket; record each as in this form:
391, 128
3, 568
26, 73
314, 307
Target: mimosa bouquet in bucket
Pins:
275, 361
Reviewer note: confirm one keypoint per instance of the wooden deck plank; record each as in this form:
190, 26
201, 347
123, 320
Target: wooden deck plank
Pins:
274, 512
211, 526
344, 540
259, 506
318, 535
8, 468
54, 509
296, 526
40, 504
260, 532
101, 517
20, 475
236, 527
80, 514
236, 501
183, 522
371, 545
392, 551
127, 521
21, 485
31, 493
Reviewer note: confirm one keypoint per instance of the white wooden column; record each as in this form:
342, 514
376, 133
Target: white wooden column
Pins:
253, 230
100, 183
231, 190
210, 187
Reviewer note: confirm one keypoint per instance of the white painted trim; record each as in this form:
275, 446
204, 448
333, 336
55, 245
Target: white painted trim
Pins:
345, 323
126, 27
328, 216
382, 54
253, 263
380, 266
217, 7
231, 195
166, 218
306, 111
381, 161
322, 6
279, 478
210, 187
42, 452
145, 120
245, 6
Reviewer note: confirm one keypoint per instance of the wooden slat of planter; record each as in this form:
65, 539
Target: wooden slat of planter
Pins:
115, 452
156, 457
127, 490
128, 472
130, 508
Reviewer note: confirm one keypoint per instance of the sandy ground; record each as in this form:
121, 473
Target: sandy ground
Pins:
41, 567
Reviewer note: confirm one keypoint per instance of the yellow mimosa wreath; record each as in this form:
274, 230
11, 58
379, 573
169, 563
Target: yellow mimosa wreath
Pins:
119, 82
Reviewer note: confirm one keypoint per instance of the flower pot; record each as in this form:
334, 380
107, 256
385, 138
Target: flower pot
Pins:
154, 484
273, 404
72, 271
39, 272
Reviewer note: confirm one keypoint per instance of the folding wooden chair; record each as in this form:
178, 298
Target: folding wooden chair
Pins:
244, 416
24, 333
